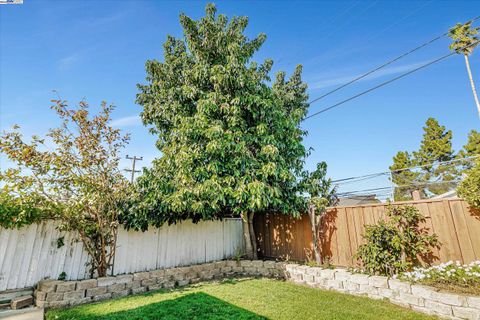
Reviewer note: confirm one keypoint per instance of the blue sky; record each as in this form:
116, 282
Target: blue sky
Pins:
97, 50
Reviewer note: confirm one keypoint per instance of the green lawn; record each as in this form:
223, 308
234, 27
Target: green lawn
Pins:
240, 299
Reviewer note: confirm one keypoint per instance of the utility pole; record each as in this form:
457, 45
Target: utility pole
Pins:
134, 160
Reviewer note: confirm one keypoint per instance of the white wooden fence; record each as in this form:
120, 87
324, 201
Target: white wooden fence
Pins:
30, 254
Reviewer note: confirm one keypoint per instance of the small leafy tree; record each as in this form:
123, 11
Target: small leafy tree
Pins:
72, 176
396, 243
230, 140
322, 195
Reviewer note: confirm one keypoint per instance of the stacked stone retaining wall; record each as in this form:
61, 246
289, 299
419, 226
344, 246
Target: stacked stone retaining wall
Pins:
54, 293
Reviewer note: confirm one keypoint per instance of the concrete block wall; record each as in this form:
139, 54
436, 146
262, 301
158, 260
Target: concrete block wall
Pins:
416, 297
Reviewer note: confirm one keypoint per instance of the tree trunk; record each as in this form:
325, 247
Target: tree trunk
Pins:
253, 239
313, 223
467, 62
246, 236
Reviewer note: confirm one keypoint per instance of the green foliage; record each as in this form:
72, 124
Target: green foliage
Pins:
435, 147
17, 212
469, 188
322, 193
62, 276
405, 180
396, 243
74, 179
463, 35
230, 143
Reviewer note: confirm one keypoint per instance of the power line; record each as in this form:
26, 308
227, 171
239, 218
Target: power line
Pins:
377, 174
389, 81
419, 184
385, 64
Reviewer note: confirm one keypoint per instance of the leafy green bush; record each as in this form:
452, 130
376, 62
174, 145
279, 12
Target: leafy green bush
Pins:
15, 213
396, 243
469, 188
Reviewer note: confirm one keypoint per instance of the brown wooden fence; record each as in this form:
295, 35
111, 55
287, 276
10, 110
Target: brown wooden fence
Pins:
283, 237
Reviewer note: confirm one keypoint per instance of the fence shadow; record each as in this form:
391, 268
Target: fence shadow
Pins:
327, 230
196, 305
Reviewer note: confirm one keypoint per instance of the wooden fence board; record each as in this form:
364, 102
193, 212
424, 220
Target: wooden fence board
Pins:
457, 227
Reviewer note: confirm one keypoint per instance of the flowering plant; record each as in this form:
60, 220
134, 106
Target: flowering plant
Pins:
449, 275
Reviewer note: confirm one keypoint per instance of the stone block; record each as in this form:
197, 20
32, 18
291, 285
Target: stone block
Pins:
342, 275
66, 286
334, 284
134, 284
96, 291
141, 276
80, 301
58, 304
350, 286
195, 280
103, 296
149, 282
257, 263
154, 287
54, 296
74, 295
378, 281
411, 299
117, 287
226, 269
122, 293
169, 285
473, 302
290, 267
359, 278
264, 272
206, 275
219, 264
21, 302
423, 291
125, 278
47, 285
179, 276
466, 313
422, 310
246, 263
157, 274
450, 298
106, 281
250, 270
40, 295
367, 289
386, 293
327, 274
183, 283
232, 263
438, 308
269, 264
237, 269
399, 286
86, 284
308, 278
139, 290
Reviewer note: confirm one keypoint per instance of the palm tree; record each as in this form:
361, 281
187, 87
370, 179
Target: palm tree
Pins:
464, 41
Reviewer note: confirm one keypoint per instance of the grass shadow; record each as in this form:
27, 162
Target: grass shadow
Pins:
196, 305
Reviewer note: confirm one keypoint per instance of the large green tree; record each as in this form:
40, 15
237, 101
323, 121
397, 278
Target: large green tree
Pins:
231, 141
436, 147
431, 174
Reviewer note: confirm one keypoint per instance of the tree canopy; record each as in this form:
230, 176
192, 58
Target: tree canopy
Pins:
230, 139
